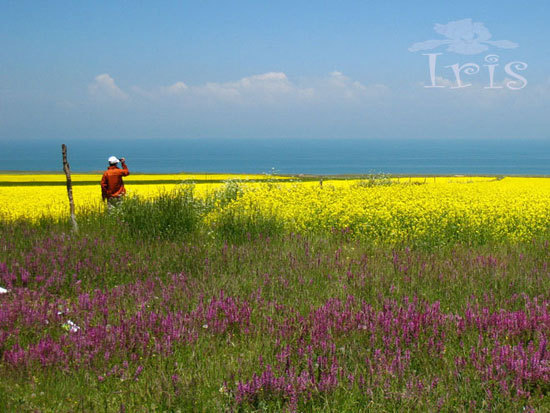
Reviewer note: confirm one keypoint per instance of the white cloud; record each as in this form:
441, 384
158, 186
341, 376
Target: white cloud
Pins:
273, 87
224, 91
175, 89
353, 88
262, 87
104, 86
441, 81
338, 79
144, 93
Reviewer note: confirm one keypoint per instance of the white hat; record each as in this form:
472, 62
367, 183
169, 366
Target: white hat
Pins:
113, 160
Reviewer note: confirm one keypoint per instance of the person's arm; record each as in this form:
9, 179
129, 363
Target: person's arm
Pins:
125, 171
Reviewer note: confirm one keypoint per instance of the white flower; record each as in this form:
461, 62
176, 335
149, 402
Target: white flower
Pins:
70, 326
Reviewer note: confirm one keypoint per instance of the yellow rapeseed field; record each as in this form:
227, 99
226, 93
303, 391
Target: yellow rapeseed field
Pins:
476, 209
33, 202
516, 209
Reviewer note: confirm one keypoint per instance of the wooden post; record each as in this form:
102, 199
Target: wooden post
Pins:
67, 170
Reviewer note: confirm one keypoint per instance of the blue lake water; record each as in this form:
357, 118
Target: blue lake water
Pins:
285, 156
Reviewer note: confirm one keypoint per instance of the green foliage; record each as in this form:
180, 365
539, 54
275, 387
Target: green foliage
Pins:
230, 192
376, 179
169, 215
282, 278
177, 214
238, 227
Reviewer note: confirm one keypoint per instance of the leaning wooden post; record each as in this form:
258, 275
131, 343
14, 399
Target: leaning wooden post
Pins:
67, 170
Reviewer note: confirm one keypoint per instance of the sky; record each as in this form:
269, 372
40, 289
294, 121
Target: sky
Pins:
268, 70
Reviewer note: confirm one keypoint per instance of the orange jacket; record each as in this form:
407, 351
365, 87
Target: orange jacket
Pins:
111, 182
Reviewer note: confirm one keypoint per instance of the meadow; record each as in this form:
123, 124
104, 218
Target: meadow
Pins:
371, 294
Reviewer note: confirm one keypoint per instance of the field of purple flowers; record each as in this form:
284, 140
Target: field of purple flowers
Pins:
100, 321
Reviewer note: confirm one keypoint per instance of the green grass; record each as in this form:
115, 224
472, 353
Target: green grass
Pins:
284, 277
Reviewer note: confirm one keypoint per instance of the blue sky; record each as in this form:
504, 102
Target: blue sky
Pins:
265, 70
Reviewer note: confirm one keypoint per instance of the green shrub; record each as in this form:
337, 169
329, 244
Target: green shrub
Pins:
239, 227
229, 192
169, 215
376, 179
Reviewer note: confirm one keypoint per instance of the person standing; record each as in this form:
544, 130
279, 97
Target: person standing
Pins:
112, 186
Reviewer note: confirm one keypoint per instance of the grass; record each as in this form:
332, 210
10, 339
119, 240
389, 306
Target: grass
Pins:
175, 316
168, 215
